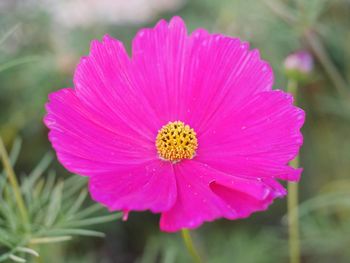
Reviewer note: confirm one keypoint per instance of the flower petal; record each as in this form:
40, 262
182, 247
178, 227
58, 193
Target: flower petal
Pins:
240, 199
195, 201
182, 74
150, 186
227, 74
105, 82
160, 57
256, 140
86, 143
205, 194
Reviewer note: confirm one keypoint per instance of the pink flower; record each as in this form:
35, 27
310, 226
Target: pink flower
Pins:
188, 126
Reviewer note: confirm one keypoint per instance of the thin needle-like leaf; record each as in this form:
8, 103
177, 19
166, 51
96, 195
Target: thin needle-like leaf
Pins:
28, 251
9, 33
45, 240
19, 61
37, 172
95, 220
89, 211
16, 258
76, 231
77, 204
16, 149
54, 206
73, 185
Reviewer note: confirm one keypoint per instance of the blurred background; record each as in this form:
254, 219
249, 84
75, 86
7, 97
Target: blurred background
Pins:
41, 42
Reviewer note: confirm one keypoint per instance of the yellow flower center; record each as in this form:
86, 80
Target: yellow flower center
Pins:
176, 141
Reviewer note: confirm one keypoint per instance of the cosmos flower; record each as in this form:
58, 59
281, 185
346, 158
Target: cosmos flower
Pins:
188, 126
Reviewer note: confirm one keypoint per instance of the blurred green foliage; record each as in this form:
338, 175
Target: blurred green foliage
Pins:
54, 210
38, 55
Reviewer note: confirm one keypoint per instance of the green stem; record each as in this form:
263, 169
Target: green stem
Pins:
293, 222
332, 71
292, 86
280, 10
190, 246
14, 184
292, 202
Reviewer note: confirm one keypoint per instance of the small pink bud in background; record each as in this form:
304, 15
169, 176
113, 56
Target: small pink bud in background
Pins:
299, 65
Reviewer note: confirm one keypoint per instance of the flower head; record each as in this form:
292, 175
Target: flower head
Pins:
299, 65
187, 126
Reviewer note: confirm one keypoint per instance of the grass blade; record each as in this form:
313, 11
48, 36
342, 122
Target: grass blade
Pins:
9, 33
19, 61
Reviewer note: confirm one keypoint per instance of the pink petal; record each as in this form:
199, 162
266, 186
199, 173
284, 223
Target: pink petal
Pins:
256, 140
227, 74
160, 56
241, 200
86, 143
205, 194
195, 201
182, 75
149, 186
105, 82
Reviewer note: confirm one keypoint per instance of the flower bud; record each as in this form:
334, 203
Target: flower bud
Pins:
299, 65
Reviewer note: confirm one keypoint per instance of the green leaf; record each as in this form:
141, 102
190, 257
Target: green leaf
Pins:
95, 220
73, 185
16, 149
75, 231
16, 258
9, 33
46, 240
19, 61
50, 184
77, 204
89, 211
54, 205
38, 171
28, 251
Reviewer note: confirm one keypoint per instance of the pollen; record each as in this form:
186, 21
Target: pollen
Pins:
176, 141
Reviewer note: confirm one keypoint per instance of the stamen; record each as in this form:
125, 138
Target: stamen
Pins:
176, 141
